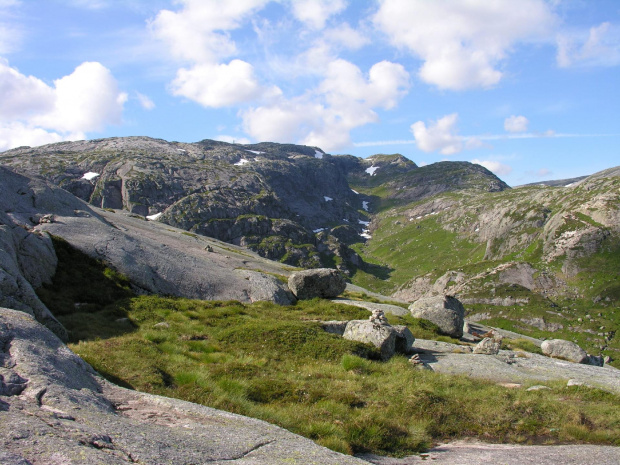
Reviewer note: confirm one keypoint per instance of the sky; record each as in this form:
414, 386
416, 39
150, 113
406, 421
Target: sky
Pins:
530, 89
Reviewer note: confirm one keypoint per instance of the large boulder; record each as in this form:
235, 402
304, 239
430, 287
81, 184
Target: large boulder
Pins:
567, 350
325, 283
445, 311
383, 337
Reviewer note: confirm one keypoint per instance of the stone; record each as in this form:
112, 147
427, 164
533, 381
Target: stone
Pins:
445, 311
325, 283
538, 387
404, 339
566, 350
383, 337
487, 346
596, 360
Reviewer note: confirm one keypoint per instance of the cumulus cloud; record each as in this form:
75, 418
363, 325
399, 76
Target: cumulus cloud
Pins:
516, 123
345, 36
145, 101
34, 113
462, 44
438, 136
495, 167
315, 13
601, 47
218, 85
324, 117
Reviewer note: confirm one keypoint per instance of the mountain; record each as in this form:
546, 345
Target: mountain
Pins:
286, 202
543, 261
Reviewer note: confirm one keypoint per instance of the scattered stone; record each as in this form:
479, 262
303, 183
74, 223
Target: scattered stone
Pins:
209, 248
48, 218
567, 350
607, 359
487, 347
445, 311
415, 359
538, 387
575, 382
510, 385
162, 325
378, 318
325, 283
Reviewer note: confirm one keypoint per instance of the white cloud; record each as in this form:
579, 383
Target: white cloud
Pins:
219, 85
233, 139
439, 136
145, 101
601, 47
463, 43
324, 117
34, 113
496, 167
345, 36
315, 13
198, 31
516, 123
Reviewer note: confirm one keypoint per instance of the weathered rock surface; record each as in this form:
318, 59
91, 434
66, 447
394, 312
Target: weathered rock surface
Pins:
488, 346
325, 283
445, 311
64, 413
388, 339
513, 366
386, 308
155, 257
567, 350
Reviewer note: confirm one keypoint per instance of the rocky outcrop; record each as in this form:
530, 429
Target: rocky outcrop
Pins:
324, 283
445, 311
155, 257
566, 350
55, 409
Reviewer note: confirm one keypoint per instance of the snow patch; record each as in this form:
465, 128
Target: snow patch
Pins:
365, 234
372, 169
365, 205
365, 223
242, 162
327, 199
318, 154
477, 229
90, 175
154, 217
318, 230
355, 192
254, 151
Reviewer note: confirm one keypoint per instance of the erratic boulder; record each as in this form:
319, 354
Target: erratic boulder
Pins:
447, 312
567, 350
325, 283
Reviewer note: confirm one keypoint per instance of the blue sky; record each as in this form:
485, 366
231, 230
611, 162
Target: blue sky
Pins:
528, 88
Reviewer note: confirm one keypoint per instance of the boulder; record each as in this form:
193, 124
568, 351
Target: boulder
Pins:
567, 350
445, 311
325, 283
383, 337
404, 339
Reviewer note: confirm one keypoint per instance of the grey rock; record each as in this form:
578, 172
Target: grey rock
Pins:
596, 360
266, 287
567, 350
383, 337
538, 387
404, 339
325, 283
68, 414
487, 346
445, 311
385, 308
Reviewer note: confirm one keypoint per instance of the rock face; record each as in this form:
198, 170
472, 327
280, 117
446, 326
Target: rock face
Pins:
155, 257
54, 409
325, 283
567, 350
277, 199
445, 311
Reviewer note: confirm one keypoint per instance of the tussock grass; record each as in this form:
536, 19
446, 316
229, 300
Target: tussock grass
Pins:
277, 364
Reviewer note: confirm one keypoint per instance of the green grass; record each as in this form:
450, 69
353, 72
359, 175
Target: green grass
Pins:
277, 364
